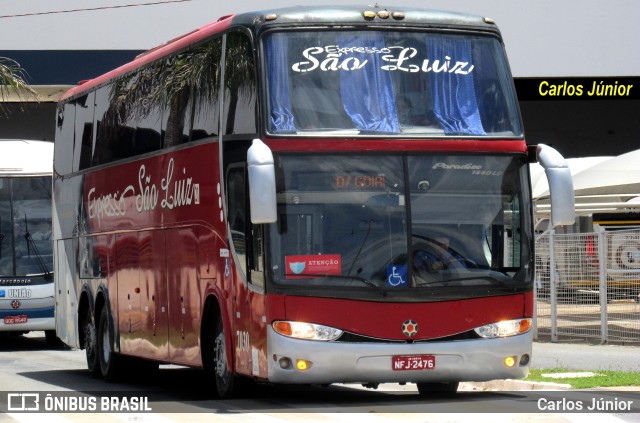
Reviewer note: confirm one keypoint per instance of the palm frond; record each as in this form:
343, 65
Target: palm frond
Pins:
12, 82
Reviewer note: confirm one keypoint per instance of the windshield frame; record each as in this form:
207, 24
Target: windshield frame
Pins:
507, 86
362, 289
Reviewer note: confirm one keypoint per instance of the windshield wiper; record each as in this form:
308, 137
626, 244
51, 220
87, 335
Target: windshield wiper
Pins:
498, 281
328, 275
31, 244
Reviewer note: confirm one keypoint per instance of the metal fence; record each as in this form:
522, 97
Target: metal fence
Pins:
588, 286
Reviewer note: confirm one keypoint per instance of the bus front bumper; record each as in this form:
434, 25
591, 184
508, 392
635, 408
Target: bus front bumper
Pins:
475, 360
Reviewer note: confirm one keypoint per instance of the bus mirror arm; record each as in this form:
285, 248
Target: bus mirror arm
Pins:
558, 174
262, 183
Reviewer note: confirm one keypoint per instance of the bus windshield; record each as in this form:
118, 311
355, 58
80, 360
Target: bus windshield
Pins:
421, 84
25, 226
428, 228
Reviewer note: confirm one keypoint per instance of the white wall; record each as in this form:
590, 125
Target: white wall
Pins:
544, 38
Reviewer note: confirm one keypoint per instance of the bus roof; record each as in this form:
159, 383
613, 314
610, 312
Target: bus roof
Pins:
361, 16
25, 157
302, 16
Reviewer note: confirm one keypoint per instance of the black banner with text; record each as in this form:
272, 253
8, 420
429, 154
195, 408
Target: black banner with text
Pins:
582, 88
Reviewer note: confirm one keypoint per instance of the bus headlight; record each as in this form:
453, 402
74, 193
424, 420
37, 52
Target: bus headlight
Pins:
504, 328
303, 330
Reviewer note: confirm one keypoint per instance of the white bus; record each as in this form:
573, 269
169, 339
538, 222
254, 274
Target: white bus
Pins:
26, 259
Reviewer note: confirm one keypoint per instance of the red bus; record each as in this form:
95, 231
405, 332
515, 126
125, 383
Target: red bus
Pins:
303, 195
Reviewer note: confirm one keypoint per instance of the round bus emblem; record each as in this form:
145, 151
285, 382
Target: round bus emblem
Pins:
15, 304
410, 328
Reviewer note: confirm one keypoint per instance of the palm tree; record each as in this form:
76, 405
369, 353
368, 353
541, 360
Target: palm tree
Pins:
12, 81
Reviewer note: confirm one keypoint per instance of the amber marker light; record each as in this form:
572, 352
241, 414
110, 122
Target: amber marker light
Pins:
510, 361
368, 14
525, 325
283, 328
302, 365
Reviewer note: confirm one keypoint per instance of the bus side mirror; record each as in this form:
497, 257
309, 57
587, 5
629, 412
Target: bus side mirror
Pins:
563, 210
262, 183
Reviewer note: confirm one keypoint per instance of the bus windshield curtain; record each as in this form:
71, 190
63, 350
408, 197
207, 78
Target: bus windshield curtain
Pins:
367, 93
454, 104
281, 116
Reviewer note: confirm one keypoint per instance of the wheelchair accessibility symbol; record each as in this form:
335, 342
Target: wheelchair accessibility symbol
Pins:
397, 275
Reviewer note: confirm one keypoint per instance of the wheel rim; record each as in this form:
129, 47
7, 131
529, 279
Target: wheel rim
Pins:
90, 342
220, 356
106, 348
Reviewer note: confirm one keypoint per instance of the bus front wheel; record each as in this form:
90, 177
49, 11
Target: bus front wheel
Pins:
225, 380
437, 388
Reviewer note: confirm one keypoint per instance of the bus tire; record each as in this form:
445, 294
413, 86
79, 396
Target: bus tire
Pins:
107, 358
437, 388
52, 338
91, 345
225, 380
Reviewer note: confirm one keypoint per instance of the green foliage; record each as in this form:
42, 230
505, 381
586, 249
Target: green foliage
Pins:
12, 81
601, 378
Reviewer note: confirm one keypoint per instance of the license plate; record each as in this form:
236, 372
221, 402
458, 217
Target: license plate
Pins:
10, 320
413, 362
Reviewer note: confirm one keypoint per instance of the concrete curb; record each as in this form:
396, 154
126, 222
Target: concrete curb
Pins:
512, 385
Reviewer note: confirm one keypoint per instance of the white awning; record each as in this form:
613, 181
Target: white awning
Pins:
46, 94
539, 183
601, 184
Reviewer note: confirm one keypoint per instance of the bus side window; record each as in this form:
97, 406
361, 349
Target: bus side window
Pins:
83, 153
236, 209
64, 138
247, 238
240, 86
257, 257
192, 112
103, 128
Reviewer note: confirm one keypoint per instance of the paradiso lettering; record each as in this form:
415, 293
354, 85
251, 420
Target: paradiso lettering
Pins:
397, 58
170, 194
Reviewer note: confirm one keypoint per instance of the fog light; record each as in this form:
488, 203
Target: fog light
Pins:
303, 365
524, 360
285, 363
510, 361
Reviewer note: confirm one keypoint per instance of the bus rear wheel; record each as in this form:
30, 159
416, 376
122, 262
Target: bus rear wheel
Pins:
437, 388
107, 358
91, 346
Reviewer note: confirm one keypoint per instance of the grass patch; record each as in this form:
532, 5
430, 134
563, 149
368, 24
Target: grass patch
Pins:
603, 378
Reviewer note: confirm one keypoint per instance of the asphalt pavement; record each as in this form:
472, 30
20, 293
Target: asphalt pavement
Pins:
582, 356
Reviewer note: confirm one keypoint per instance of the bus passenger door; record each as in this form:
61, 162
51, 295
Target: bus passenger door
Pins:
248, 283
